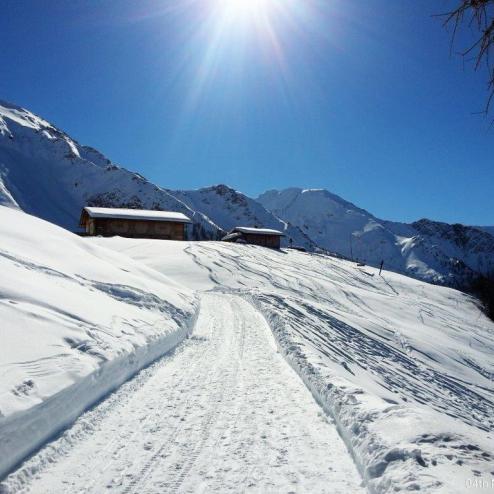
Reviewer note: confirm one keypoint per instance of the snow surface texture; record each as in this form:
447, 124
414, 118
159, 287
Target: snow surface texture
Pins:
405, 368
427, 250
77, 320
219, 415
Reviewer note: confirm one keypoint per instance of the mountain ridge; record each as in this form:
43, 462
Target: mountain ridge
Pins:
45, 172
426, 249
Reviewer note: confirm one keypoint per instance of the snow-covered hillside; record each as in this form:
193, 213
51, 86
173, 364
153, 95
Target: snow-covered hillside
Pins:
428, 250
230, 208
46, 173
405, 368
77, 320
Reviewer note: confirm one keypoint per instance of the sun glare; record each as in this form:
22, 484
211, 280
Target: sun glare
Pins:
239, 35
238, 10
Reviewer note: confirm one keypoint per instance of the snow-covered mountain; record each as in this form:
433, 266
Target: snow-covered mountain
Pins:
45, 172
429, 250
230, 208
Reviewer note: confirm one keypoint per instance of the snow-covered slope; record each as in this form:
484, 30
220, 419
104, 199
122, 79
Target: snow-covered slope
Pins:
428, 250
76, 321
46, 173
224, 413
404, 367
229, 208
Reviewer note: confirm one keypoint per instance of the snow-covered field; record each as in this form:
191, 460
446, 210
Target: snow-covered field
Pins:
224, 413
403, 370
77, 320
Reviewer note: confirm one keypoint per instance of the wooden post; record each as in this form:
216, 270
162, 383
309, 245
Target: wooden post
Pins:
381, 268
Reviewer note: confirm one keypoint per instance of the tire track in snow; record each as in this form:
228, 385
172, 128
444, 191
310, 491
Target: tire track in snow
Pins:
224, 414
219, 398
141, 480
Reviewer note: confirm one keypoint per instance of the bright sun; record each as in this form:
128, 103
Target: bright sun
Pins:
235, 34
245, 10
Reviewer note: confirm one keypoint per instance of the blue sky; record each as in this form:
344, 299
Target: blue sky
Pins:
357, 96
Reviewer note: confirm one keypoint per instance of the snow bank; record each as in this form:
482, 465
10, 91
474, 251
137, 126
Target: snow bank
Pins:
405, 368
77, 321
398, 443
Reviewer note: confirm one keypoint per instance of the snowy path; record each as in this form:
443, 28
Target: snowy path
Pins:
224, 413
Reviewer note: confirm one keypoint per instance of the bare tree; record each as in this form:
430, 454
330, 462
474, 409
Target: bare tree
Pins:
479, 16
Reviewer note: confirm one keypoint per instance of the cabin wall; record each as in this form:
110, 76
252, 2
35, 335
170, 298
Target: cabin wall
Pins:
136, 228
272, 241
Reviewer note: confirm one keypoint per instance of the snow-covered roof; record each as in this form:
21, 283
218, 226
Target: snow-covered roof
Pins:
257, 231
137, 214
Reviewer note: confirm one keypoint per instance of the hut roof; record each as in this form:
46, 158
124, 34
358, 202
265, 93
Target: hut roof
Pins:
137, 214
258, 231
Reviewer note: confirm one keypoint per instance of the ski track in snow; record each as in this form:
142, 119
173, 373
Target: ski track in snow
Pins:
223, 413
401, 371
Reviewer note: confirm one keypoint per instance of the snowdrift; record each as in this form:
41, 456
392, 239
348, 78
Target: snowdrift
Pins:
405, 368
77, 320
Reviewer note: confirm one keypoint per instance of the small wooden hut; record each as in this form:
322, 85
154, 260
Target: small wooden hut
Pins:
256, 236
134, 223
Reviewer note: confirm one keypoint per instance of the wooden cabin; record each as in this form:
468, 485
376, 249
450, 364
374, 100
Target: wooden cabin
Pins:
134, 223
255, 236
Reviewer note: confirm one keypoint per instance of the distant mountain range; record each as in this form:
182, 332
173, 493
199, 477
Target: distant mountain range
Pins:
45, 172
425, 249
